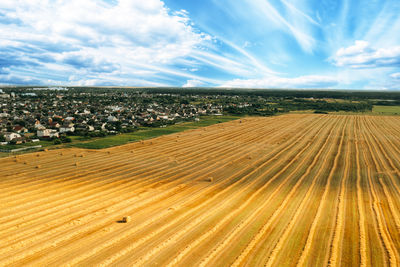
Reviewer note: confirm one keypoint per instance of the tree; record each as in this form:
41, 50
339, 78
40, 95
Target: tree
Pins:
66, 139
19, 122
118, 125
57, 142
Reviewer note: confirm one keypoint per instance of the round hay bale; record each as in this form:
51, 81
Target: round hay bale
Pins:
108, 152
37, 155
61, 153
210, 179
45, 150
126, 219
81, 155
38, 166
76, 163
132, 151
25, 162
142, 142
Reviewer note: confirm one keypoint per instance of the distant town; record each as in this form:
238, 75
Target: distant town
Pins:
55, 113
31, 114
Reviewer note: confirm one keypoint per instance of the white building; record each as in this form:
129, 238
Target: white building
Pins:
11, 136
112, 119
4, 96
47, 133
39, 126
69, 118
67, 129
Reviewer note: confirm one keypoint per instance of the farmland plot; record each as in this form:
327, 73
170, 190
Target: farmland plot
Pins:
300, 189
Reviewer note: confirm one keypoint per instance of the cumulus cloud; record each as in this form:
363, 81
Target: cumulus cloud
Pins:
193, 83
95, 36
363, 55
310, 81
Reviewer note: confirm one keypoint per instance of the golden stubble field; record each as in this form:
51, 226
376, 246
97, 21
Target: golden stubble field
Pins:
308, 190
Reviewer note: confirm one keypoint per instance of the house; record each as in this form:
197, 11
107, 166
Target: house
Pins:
69, 118
11, 136
67, 128
112, 119
47, 133
19, 140
38, 125
20, 129
54, 124
29, 135
4, 96
84, 127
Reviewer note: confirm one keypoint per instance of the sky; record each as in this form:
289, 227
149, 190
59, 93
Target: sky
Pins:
337, 44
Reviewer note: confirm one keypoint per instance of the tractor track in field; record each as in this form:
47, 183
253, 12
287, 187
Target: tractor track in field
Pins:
231, 194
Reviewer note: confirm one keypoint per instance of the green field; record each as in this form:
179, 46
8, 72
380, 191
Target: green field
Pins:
147, 133
376, 110
386, 110
41, 143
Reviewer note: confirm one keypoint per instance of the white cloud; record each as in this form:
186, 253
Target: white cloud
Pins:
310, 81
359, 47
193, 83
254, 61
93, 36
395, 75
293, 21
363, 55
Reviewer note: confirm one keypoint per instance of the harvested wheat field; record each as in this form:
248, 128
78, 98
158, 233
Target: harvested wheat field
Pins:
311, 190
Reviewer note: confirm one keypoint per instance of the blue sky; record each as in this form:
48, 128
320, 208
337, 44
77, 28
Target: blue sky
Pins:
339, 44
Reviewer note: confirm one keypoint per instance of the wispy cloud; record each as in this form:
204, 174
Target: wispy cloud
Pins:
250, 43
295, 10
253, 60
362, 55
300, 31
311, 81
